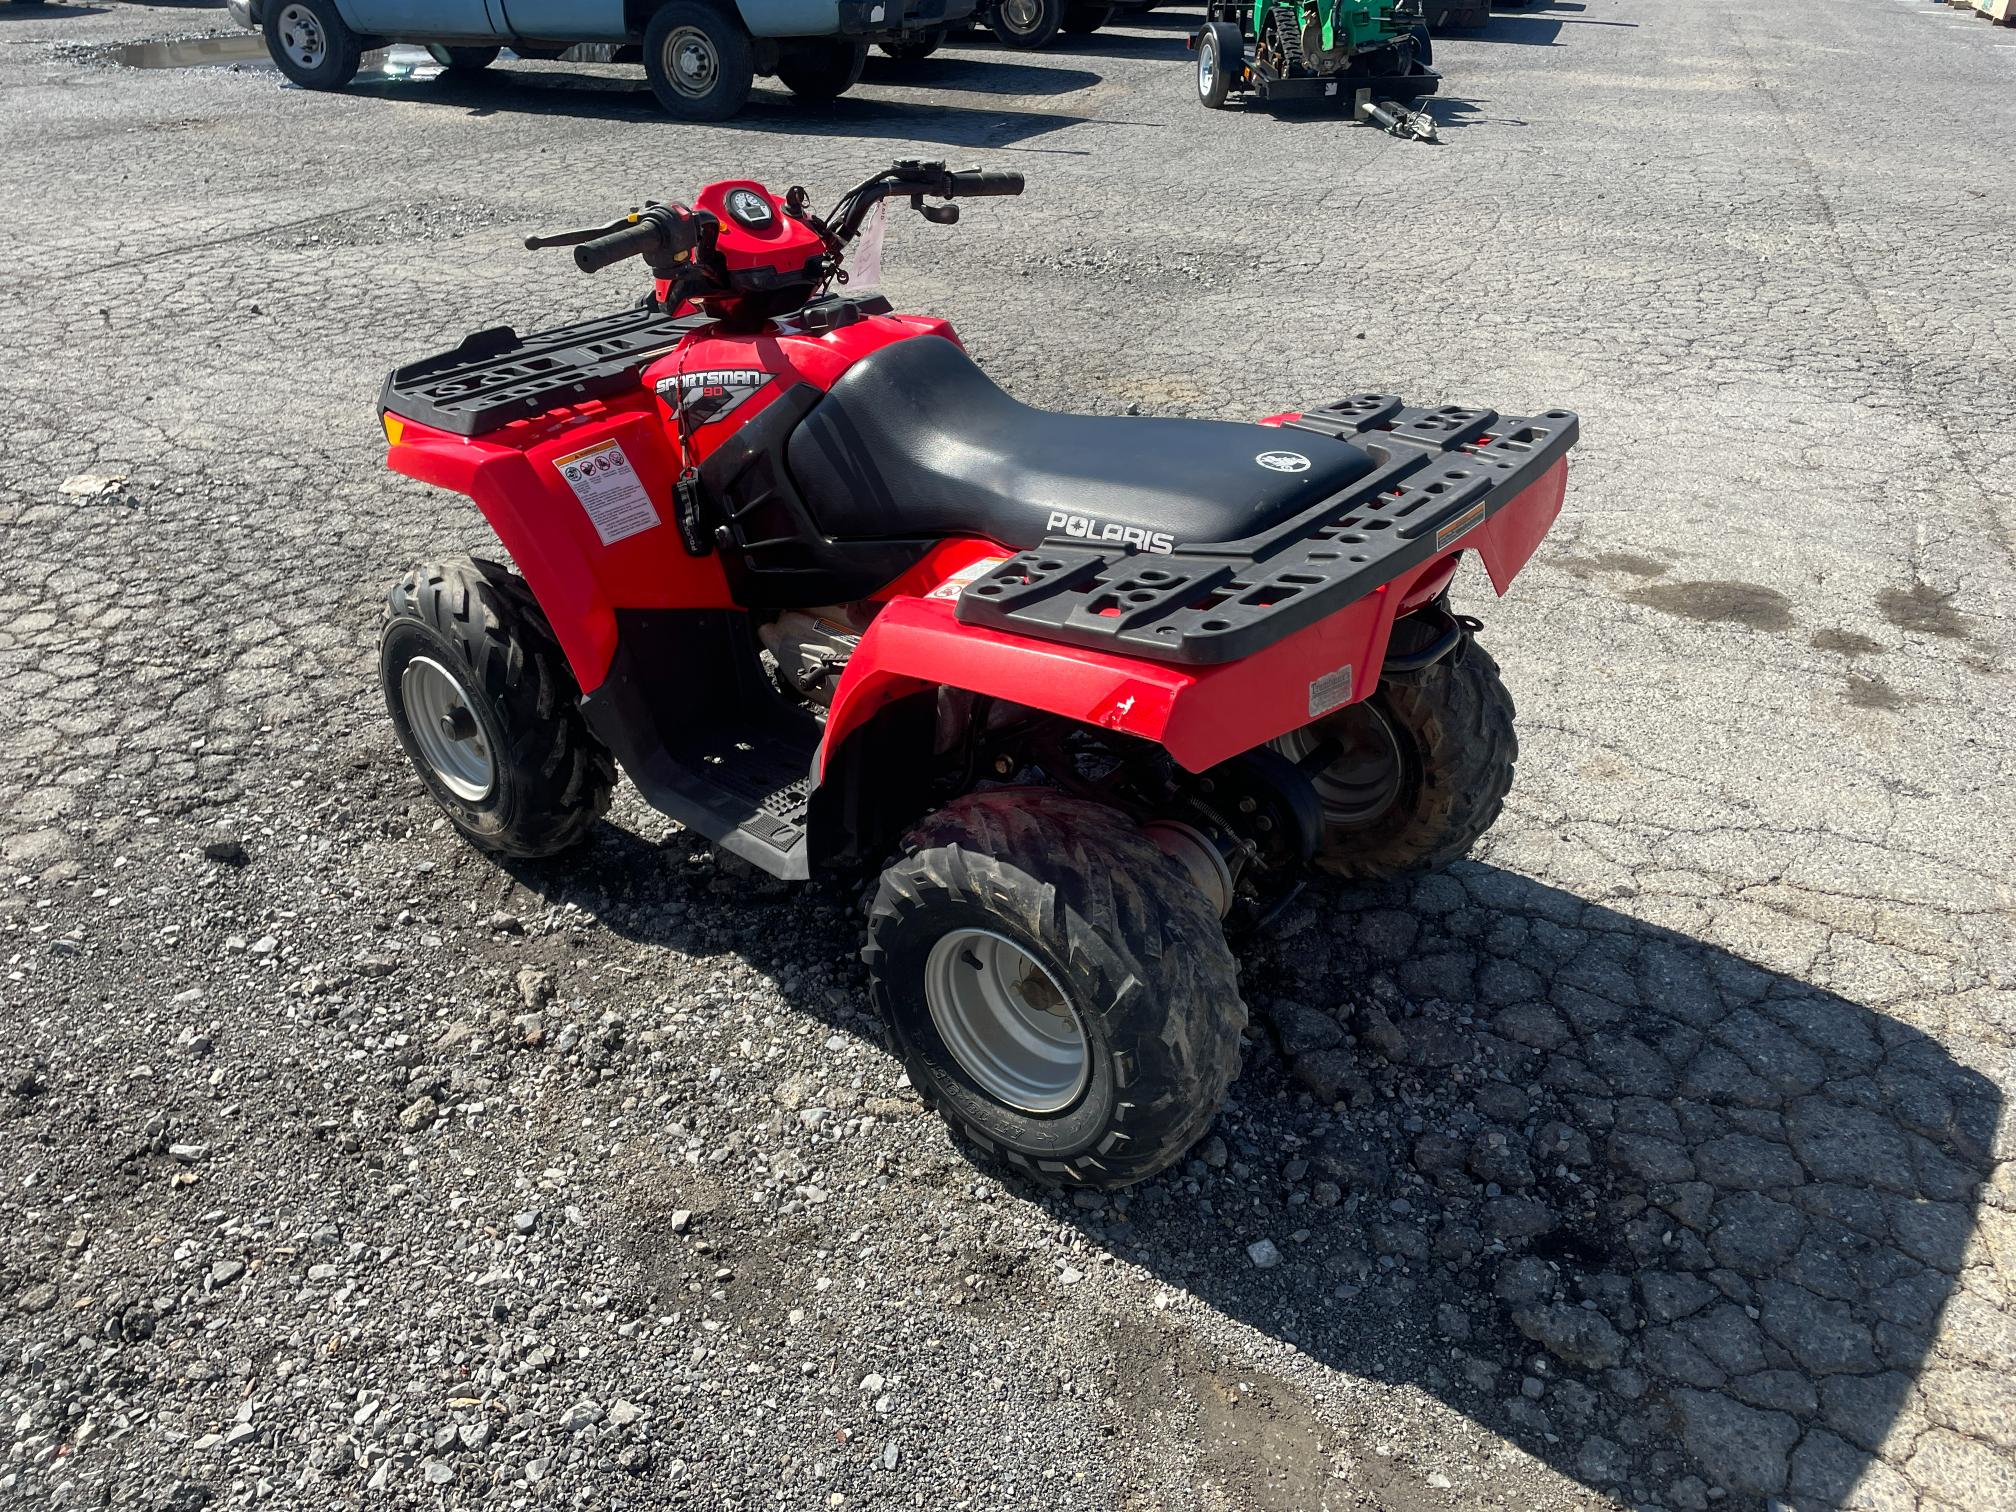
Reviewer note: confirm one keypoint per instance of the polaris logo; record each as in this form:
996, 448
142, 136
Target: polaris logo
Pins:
1079, 527
1283, 461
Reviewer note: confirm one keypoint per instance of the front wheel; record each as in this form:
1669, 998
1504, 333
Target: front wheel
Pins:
699, 61
1026, 24
1221, 59
1056, 986
822, 69
462, 60
310, 43
485, 706
1416, 773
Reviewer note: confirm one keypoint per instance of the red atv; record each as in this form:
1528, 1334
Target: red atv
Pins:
1102, 687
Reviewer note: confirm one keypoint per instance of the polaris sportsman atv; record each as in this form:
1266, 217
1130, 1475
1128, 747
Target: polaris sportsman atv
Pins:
1092, 689
1371, 56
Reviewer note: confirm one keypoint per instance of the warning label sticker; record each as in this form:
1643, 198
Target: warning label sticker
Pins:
609, 490
1330, 691
955, 585
1461, 525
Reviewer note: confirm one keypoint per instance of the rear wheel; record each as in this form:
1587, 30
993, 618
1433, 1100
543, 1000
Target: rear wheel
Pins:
913, 46
822, 68
1056, 986
310, 43
1026, 23
1419, 771
1081, 18
463, 60
699, 61
487, 710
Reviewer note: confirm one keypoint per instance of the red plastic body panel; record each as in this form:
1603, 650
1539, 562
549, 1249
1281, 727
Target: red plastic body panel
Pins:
1200, 715
1507, 540
580, 582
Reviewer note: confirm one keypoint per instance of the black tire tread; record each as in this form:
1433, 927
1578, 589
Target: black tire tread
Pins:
1460, 717
1061, 865
489, 615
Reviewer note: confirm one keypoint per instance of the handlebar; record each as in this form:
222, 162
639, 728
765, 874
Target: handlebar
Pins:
631, 241
972, 183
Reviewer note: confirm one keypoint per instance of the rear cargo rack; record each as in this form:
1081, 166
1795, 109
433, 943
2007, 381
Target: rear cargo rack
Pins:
497, 376
1439, 473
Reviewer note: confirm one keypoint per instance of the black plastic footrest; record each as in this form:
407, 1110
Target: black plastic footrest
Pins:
1439, 472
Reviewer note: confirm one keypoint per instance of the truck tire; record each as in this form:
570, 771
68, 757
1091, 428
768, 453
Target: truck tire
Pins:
1426, 764
1056, 986
699, 61
487, 710
310, 43
462, 60
1082, 17
821, 68
912, 47
1027, 24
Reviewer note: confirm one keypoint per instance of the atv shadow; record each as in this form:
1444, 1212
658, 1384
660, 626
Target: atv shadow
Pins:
1664, 1218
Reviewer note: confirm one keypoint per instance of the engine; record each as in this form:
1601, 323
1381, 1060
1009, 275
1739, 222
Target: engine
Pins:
811, 647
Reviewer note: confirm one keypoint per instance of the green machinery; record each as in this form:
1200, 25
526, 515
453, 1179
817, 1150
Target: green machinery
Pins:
1372, 56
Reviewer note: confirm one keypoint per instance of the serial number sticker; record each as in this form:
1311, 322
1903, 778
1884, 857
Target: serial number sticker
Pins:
1458, 526
1330, 691
955, 585
609, 490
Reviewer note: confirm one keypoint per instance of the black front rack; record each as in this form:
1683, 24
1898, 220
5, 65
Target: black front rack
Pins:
497, 376
1440, 472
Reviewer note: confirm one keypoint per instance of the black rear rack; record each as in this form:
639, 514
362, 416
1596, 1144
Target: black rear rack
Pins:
497, 376
1439, 473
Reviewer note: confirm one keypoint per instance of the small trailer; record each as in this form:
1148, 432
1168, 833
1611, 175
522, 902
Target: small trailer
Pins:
1371, 56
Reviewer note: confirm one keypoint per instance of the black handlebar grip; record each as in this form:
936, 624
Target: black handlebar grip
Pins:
976, 182
631, 241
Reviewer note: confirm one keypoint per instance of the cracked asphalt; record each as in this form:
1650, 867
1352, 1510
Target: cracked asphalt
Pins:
1655, 1157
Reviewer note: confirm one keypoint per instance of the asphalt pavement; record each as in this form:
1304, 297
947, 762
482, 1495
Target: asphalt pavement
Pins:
1655, 1157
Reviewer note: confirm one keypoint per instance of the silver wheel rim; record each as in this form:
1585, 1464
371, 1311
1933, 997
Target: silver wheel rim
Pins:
1205, 58
446, 729
301, 37
1006, 1021
691, 62
1363, 779
1022, 16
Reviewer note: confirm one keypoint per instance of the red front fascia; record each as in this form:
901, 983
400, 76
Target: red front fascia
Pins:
579, 582
1201, 715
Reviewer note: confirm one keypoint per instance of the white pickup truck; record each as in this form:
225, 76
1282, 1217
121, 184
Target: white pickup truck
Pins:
701, 55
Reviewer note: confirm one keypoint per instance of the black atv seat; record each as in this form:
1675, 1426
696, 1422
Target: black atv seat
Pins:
915, 442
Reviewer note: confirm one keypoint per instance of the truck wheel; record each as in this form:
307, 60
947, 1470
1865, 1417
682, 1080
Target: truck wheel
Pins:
1221, 60
1082, 18
1423, 769
822, 68
311, 44
699, 61
1056, 986
913, 46
463, 60
1026, 23
485, 705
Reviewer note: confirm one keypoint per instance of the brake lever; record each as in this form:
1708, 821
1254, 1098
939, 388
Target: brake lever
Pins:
576, 238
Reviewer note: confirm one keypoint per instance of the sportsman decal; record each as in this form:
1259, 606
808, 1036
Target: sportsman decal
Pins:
709, 394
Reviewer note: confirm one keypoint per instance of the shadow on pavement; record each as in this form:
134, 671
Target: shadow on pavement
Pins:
593, 97
1671, 1222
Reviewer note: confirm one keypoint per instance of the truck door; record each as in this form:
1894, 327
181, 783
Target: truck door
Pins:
565, 20
425, 20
